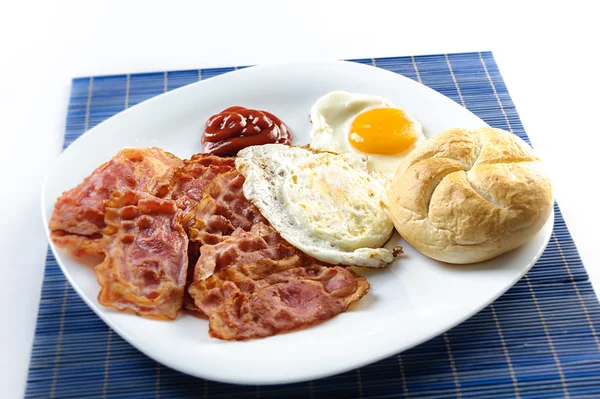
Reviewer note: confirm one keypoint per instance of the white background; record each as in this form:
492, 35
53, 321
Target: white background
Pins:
547, 54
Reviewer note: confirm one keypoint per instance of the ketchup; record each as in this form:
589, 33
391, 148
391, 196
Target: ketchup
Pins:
236, 128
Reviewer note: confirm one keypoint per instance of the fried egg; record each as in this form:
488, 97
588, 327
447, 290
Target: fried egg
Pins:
327, 205
370, 125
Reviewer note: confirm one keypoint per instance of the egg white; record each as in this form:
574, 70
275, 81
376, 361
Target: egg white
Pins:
332, 116
327, 205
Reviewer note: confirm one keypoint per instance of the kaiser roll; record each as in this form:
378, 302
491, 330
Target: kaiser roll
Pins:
466, 196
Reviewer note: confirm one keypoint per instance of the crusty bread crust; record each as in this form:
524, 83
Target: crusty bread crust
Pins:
466, 196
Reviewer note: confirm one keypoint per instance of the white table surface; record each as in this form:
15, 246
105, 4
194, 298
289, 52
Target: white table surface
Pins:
547, 55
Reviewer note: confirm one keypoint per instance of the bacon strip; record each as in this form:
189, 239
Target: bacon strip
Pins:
223, 209
247, 302
187, 188
241, 248
80, 211
250, 288
195, 174
264, 242
146, 261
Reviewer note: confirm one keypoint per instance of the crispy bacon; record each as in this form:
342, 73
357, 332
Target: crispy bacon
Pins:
194, 175
138, 211
187, 188
241, 248
146, 261
223, 209
267, 297
81, 210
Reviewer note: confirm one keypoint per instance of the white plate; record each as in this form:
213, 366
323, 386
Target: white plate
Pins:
410, 302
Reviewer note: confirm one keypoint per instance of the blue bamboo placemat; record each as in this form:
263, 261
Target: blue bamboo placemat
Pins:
539, 340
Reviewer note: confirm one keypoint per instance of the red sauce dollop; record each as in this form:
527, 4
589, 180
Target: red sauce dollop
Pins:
236, 128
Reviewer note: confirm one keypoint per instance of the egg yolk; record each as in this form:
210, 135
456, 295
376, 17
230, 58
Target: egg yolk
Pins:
382, 131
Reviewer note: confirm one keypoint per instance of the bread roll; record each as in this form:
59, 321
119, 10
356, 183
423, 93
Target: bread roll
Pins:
466, 196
